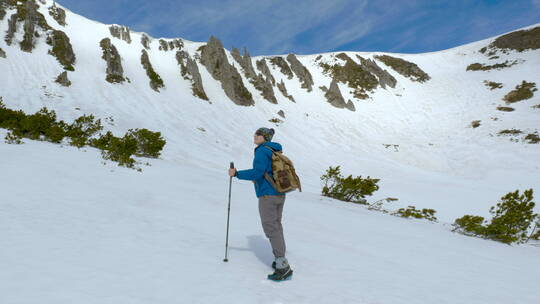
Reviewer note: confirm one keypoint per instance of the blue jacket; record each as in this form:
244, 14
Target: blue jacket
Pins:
261, 163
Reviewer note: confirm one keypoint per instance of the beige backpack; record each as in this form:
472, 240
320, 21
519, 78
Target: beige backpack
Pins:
284, 176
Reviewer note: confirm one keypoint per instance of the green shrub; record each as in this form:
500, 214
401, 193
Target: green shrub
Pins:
411, 211
512, 218
470, 225
349, 189
11, 138
121, 149
149, 144
82, 129
43, 125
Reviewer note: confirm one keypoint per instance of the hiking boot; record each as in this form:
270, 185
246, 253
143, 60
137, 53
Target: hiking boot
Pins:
281, 274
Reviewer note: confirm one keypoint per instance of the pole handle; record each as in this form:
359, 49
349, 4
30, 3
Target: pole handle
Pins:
232, 165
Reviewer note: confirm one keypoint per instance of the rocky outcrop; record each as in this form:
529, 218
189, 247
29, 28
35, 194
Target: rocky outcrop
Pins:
63, 80
263, 67
283, 66
261, 83
120, 32
264, 85
283, 90
281, 113
245, 63
2, 53
115, 72
3, 6
145, 41
27, 12
170, 45
385, 79
405, 68
58, 14
190, 71
334, 97
301, 72
61, 49
32, 18
12, 27
358, 78
215, 60
155, 80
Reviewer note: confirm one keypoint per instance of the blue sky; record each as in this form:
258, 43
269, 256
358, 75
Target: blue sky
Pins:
268, 27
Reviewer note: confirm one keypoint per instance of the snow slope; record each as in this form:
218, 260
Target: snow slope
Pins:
75, 230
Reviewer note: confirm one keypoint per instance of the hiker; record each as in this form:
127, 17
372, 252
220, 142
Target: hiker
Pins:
270, 200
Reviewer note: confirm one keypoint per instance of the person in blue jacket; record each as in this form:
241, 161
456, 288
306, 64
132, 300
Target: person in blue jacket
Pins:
270, 200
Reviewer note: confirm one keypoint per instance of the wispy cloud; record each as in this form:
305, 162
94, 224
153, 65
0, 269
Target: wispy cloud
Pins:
313, 26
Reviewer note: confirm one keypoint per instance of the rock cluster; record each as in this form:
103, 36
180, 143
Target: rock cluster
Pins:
215, 60
190, 71
121, 32
115, 72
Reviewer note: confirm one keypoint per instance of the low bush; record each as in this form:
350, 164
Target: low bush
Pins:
511, 222
349, 189
411, 211
43, 125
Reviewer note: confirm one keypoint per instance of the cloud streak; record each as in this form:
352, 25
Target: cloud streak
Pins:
310, 26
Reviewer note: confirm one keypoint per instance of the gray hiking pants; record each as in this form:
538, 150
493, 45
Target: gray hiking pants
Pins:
270, 209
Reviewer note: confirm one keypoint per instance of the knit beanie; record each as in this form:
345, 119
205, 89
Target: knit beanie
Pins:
266, 133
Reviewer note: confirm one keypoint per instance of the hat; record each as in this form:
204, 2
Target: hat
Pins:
266, 133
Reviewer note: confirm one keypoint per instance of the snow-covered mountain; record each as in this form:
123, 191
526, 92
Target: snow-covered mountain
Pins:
76, 230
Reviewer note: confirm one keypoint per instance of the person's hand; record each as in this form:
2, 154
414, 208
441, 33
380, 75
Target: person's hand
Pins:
232, 171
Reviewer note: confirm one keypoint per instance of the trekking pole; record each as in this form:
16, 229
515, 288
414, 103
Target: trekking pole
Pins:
228, 213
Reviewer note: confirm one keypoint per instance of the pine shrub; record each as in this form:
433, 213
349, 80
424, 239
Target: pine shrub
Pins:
349, 189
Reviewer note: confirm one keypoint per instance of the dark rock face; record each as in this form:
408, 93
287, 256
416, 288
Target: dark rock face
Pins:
301, 72
283, 90
265, 87
145, 41
61, 49
170, 45
3, 6
155, 80
2, 53
404, 67
334, 97
63, 80
190, 71
283, 66
213, 57
245, 62
115, 72
27, 13
120, 32
263, 67
262, 84
12, 27
353, 74
58, 14
281, 113
385, 79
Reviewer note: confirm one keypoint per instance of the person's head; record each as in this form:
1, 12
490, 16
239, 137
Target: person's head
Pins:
262, 135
